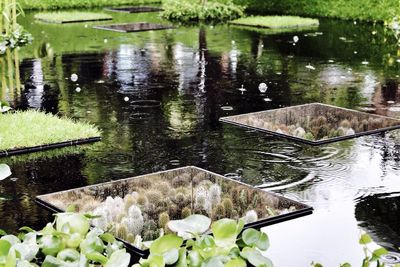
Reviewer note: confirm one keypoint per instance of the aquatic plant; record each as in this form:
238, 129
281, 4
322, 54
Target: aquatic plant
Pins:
68, 241
226, 245
188, 11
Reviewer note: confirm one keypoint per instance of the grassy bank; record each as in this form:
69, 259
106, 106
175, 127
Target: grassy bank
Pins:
345, 9
61, 4
275, 22
70, 17
33, 128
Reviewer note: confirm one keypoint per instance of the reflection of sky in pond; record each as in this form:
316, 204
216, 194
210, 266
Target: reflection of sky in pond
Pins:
192, 73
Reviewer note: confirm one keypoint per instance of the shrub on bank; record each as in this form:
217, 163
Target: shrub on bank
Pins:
187, 11
345, 9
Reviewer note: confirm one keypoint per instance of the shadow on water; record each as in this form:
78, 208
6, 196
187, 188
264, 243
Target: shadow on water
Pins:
157, 97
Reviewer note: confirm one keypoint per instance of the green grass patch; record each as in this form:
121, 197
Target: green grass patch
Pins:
193, 11
23, 129
71, 17
276, 22
61, 4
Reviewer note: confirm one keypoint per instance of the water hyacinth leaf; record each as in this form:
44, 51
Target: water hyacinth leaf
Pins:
255, 257
236, 263
193, 224
107, 237
154, 261
182, 262
377, 253
68, 254
119, 258
25, 263
225, 232
365, 239
206, 242
78, 223
252, 237
165, 243
12, 239
28, 248
4, 249
51, 245
213, 262
5, 171
51, 261
171, 256
194, 258
97, 257
27, 229
91, 244
2, 232
73, 241
11, 258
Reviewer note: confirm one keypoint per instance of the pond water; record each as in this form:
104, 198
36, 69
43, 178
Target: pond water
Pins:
157, 97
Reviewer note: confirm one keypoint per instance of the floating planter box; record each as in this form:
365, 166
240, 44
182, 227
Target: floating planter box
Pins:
133, 27
134, 9
137, 209
314, 123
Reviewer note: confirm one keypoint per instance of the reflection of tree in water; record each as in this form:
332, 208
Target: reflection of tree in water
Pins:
379, 216
31, 178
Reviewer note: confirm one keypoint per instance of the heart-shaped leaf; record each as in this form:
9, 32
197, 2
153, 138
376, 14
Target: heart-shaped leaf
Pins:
225, 232
255, 257
165, 243
193, 224
119, 258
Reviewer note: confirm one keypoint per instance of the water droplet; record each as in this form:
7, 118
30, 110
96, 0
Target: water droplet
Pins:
355, 52
295, 38
78, 89
267, 99
242, 89
263, 87
74, 77
365, 62
126, 99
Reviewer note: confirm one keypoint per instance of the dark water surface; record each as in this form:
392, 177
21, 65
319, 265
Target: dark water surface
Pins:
157, 97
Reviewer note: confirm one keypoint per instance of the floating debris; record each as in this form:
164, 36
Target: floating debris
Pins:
355, 52
331, 61
227, 108
126, 99
390, 102
78, 89
295, 39
100, 81
74, 77
263, 87
310, 67
267, 99
365, 62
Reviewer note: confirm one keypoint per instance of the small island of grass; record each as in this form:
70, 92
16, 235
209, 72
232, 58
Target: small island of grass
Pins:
71, 17
276, 22
26, 129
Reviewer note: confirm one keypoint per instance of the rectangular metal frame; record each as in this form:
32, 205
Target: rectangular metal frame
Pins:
303, 211
230, 120
119, 27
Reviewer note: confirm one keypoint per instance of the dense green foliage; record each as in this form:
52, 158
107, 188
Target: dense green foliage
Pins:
275, 21
189, 11
227, 246
345, 9
68, 241
73, 16
59, 4
32, 128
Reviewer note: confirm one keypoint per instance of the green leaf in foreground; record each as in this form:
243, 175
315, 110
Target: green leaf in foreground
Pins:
165, 243
225, 232
254, 238
119, 259
377, 253
365, 239
255, 257
193, 224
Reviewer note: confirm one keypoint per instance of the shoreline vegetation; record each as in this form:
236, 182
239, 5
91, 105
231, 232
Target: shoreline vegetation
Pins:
368, 10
